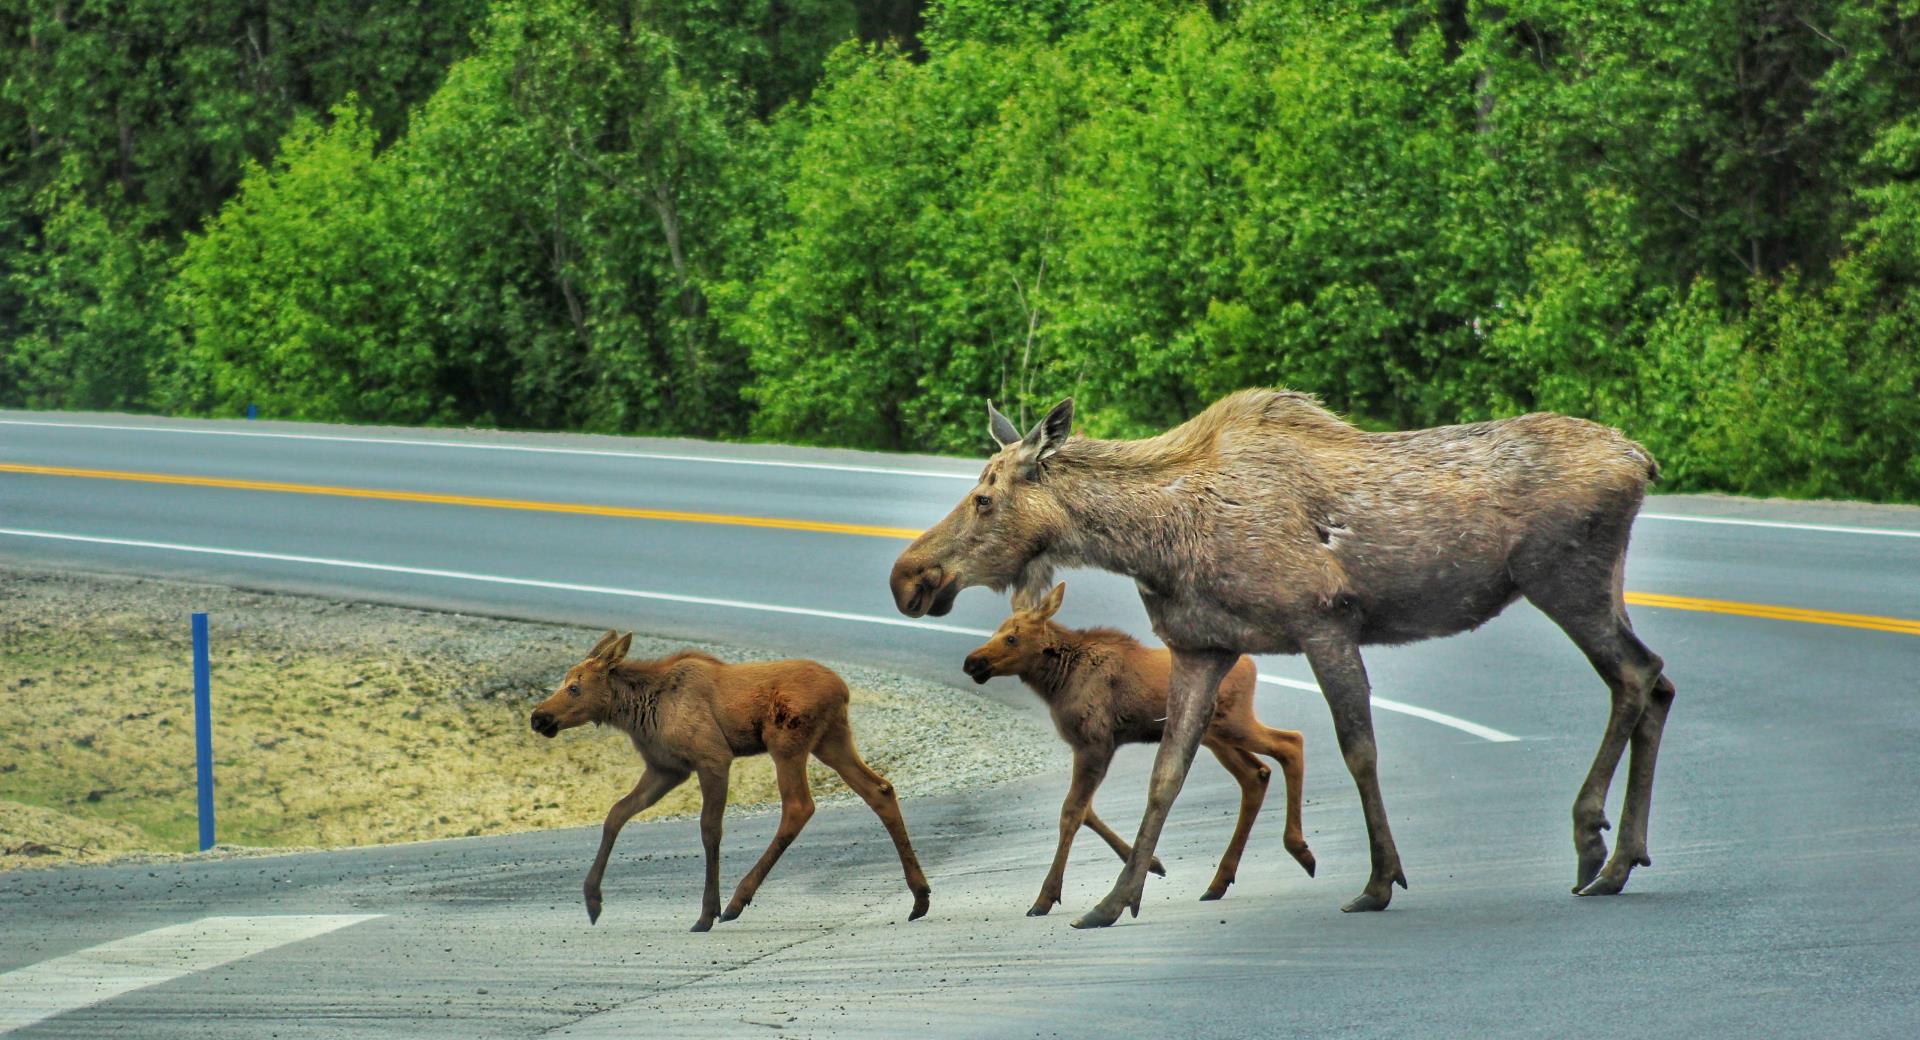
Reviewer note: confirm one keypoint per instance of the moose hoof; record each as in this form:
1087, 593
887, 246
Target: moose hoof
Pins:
1589, 869
1098, 917
1366, 902
1156, 868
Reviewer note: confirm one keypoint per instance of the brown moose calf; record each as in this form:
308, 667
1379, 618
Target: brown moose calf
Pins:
1104, 689
691, 713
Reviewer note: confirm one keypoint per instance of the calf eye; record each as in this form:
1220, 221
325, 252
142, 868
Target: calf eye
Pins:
1013, 640
983, 502
574, 689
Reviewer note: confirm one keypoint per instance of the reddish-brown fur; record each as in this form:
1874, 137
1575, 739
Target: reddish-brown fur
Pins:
1104, 689
691, 713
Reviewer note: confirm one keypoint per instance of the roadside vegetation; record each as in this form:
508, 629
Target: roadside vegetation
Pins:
350, 724
847, 221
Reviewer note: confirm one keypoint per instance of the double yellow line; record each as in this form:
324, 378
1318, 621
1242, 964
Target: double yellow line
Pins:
1904, 626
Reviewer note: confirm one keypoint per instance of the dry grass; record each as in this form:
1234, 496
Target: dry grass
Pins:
321, 738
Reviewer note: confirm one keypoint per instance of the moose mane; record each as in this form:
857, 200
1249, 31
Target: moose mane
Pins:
1198, 438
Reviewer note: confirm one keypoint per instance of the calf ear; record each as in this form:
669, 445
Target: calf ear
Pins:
999, 427
1022, 599
1050, 433
599, 647
618, 651
1051, 602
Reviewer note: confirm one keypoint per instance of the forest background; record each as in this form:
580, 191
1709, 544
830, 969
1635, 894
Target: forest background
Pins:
847, 222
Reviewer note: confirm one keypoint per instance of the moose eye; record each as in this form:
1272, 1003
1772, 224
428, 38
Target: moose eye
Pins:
983, 502
1013, 640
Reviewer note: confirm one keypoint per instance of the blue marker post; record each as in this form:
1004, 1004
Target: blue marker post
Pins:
203, 727
253, 411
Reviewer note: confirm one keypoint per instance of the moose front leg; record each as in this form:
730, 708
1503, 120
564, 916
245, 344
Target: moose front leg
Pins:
1089, 768
1190, 696
713, 806
654, 784
1343, 682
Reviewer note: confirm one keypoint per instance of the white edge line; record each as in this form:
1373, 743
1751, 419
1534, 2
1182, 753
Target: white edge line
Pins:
1483, 732
1734, 522
783, 464
529, 448
706, 601
99, 973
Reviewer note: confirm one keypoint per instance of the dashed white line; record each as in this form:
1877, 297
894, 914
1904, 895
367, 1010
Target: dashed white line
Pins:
41, 991
669, 597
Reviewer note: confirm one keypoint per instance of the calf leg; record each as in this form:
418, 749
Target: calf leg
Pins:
1190, 696
1252, 777
1343, 681
713, 806
796, 808
1089, 768
1289, 749
837, 751
1116, 842
654, 784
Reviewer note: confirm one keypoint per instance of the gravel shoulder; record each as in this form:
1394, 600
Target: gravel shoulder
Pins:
342, 724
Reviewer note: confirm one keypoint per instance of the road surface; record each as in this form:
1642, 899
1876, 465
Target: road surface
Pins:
1784, 834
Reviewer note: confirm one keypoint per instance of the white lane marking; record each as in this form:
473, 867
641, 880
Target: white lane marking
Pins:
784, 464
706, 601
1483, 732
1733, 522
529, 448
97, 973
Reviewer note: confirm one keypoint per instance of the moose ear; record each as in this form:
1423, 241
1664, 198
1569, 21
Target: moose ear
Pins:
618, 651
600, 646
1050, 433
999, 427
1051, 602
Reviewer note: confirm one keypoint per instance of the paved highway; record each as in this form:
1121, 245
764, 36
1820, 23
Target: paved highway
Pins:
1784, 833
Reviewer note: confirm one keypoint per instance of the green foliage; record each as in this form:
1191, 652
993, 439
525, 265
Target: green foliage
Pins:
848, 221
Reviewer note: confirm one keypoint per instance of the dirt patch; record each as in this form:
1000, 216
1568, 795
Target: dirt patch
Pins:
341, 723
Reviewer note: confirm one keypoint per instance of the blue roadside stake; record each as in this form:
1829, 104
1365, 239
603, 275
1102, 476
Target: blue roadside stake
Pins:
203, 727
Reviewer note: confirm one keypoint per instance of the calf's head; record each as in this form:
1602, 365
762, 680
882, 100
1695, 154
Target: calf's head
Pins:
584, 695
1022, 640
999, 533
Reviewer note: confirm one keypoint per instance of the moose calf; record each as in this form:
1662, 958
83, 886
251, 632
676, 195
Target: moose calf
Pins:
1104, 689
689, 712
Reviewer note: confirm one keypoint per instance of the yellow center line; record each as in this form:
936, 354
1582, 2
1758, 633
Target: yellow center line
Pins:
582, 509
1905, 626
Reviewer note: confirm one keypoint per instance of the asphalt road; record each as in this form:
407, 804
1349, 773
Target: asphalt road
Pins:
1785, 827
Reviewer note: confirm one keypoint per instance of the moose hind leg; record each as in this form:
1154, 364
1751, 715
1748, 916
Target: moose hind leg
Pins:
839, 754
796, 808
1631, 851
1590, 608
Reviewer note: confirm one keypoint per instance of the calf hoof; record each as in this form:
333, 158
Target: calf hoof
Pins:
731, 912
705, 924
593, 911
1304, 857
1042, 907
1156, 868
1213, 893
919, 905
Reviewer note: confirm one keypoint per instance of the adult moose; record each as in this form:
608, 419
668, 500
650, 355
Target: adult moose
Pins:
1267, 524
